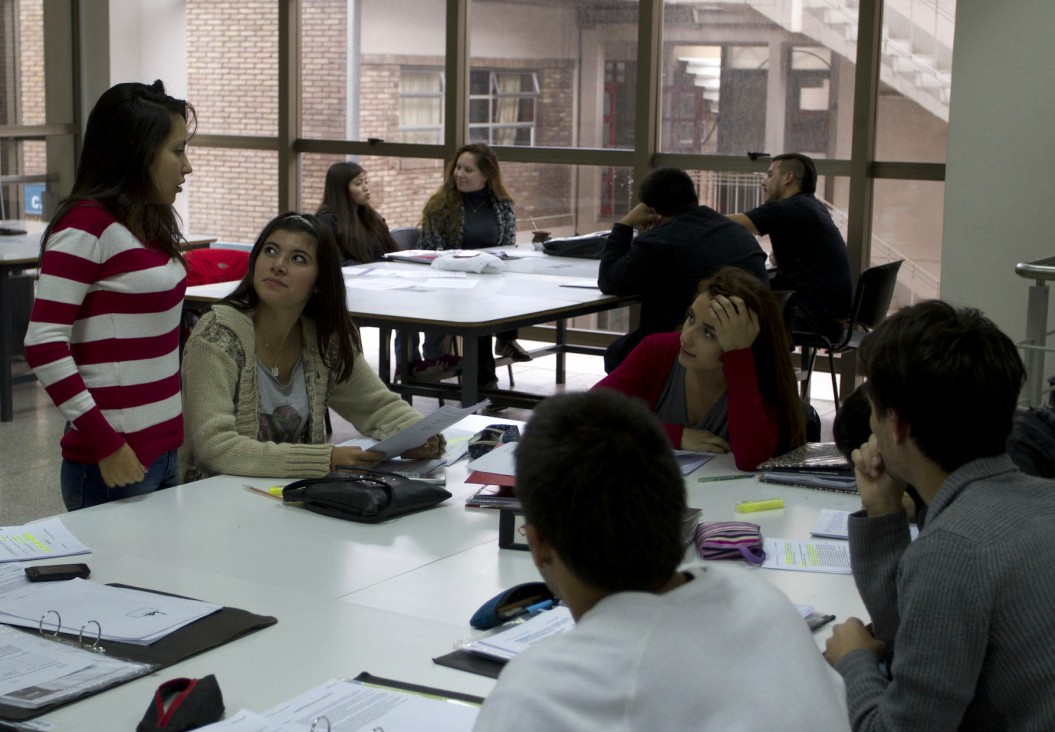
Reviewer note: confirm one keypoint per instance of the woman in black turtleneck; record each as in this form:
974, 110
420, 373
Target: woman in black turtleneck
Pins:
472, 210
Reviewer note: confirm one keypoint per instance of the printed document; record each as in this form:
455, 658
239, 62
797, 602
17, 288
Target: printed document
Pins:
418, 433
508, 643
351, 706
830, 557
44, 539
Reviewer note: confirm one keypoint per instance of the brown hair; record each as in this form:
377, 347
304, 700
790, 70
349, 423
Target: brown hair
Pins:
772, 350
359, 228
445, 204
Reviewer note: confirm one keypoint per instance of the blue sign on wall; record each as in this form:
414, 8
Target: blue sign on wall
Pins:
33, 199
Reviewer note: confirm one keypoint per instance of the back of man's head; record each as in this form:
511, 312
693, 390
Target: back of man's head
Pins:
669, 191
951, 374
597, 479
802, 167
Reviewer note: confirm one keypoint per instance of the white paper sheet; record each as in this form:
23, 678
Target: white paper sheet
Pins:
418, 433
508, 643
350, 706
831, 524
44, 539
829, 557
501, 460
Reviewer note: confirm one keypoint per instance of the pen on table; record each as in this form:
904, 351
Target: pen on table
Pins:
274, 491
712, 478
532, 609
769, 504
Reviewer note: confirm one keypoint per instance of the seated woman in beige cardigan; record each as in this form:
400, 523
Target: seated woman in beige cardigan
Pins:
261, 368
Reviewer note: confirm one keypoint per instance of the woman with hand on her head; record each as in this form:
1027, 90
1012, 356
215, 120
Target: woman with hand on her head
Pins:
725, 383
261, 368
472, 210
103, 336
361, 233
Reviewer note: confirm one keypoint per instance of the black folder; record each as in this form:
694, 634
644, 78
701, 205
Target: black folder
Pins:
222, 626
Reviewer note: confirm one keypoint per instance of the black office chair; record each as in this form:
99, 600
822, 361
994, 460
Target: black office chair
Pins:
875, 289
406, 237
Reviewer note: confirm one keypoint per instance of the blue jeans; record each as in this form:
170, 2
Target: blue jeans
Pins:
83, 485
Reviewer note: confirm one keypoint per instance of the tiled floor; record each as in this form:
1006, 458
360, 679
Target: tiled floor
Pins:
29, 452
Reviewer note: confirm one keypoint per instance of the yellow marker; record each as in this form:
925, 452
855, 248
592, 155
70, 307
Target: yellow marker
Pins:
276, 490
770, 504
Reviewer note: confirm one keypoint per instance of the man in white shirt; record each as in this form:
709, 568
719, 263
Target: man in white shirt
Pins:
654, 648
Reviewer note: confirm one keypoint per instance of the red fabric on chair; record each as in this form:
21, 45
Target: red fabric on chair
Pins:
208, 266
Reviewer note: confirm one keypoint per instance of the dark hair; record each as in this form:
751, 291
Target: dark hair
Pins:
597, 479
445, 204
951, 374
327, 305
802, 167
851, 427
670, 191
125, 130
361, 232
771, 349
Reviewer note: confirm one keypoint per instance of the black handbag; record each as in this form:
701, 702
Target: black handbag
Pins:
363, 495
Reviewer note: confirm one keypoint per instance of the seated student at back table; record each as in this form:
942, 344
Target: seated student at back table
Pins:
361, 233
682, 243
964, 613
725, 382
261, 368
472, 210
809, 250
654, 648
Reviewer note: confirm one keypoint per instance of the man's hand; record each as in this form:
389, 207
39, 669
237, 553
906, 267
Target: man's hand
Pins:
431, 449
850, 636
702, 441
737, 325
122, 468
641, 217
881, 493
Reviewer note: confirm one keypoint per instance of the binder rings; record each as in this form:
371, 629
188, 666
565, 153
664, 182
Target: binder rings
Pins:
213, 630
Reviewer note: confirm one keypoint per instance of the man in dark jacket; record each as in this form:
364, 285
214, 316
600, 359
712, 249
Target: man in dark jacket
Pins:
682, 243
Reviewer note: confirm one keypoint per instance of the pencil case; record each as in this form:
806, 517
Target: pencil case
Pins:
511, 603
730, 540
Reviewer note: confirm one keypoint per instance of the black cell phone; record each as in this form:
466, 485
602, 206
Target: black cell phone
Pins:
51, 572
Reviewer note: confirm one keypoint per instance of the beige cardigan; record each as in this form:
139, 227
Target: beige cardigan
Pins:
221, 404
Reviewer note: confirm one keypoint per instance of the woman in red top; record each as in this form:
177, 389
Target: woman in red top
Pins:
725, 383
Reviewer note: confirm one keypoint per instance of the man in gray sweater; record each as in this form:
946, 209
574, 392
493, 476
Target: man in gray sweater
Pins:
965, 615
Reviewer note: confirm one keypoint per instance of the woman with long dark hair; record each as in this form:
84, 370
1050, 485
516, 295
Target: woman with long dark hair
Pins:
103, 336
361, 233
262, 367
725, 383
471, 210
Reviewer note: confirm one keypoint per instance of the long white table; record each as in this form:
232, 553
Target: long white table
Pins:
355, 597
495, 303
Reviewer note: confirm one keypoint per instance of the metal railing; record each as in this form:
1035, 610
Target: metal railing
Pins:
1035, 345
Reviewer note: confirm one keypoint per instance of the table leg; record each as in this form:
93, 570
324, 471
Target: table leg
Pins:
470, 373
562, 327
384, 361
6, 381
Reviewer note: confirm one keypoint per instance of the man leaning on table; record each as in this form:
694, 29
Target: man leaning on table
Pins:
963, 615
654, 648
681, 243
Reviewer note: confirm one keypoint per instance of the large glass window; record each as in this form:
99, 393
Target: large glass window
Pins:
372, 68
907, 224
231, 194
21, 103
912, 115
553, 74
760, 76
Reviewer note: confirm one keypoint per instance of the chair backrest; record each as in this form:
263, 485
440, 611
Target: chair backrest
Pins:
875, 290
813, 422
406, 237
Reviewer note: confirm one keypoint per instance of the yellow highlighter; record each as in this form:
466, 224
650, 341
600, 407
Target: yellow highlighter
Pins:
769, 504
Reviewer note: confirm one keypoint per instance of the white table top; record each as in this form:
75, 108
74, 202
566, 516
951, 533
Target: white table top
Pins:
355, 597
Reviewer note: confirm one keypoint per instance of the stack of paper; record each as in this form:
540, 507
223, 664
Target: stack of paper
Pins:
42, 540
507, 644
124, 615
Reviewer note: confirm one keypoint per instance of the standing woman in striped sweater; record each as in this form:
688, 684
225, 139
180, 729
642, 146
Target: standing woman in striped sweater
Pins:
103, 336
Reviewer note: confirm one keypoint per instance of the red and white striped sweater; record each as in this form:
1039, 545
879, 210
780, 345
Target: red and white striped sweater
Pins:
103, 337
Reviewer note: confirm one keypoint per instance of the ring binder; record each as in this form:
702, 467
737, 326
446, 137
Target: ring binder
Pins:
94, 647
320, 718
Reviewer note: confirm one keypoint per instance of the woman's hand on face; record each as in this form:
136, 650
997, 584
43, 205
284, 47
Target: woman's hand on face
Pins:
355, 457
435, 447
702, 441
122, 468
737, 325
